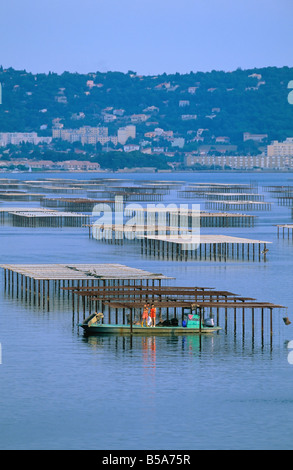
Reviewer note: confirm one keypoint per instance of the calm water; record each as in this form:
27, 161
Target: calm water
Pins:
60, 390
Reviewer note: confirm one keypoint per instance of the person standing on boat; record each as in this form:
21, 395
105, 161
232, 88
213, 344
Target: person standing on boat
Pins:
145, 315
153, 315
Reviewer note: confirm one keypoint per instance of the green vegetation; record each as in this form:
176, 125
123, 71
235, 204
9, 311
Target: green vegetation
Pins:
108, 160
118, 160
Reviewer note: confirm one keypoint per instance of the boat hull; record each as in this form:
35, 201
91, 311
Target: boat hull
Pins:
139, 330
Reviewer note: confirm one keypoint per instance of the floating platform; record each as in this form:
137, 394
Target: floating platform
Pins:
20, 196
81, 272
239, 205
5, 212
171, 217
129, 196
77, 205
203, 247
117, 289
145, 331
47, 218
232, 196
119, 234
114, 301
193, 190
43, 283
285, 227
285, 200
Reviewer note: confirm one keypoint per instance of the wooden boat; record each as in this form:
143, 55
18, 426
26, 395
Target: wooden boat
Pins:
93, 326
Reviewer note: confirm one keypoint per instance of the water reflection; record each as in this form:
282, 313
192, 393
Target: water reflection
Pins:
148, 345
150, 350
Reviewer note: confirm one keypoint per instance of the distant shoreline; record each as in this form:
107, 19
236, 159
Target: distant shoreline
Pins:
172, 172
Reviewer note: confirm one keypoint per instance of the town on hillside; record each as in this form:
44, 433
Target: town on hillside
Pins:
240, 120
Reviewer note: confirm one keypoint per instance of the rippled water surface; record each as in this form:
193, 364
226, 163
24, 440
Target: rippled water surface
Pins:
60, 390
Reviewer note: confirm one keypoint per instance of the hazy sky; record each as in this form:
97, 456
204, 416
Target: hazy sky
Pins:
147, 36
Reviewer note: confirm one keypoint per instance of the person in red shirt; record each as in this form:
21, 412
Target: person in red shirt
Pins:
153, 315
145, 315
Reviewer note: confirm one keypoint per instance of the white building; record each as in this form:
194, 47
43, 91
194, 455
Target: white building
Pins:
178, 142
17, 138
118, 112
281, 149
245, 162
85, 135
109, 117
184, 103
138, 118
255, 137
192, 90
131, 148
188, 117
124, 133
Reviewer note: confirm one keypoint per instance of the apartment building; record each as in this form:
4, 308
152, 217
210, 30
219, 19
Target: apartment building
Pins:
281, 149
254, 137
124, 133
85, 135
245, 162
17, 138
75, 165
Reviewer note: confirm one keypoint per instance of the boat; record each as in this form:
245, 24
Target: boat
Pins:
193, 325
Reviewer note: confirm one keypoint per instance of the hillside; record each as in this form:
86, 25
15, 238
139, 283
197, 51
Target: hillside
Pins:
199, 107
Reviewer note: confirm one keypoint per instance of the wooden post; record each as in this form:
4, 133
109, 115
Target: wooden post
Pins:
48, 294
83, 304
200, 318
262, 325
131, 321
